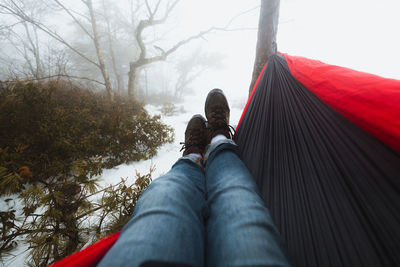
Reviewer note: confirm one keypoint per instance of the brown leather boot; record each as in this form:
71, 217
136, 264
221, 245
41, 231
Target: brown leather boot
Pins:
217, 113
195, 136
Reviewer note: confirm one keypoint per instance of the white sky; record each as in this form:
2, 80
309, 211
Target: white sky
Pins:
359, 34
364, 35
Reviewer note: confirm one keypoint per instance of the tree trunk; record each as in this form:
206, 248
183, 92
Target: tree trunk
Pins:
266, 39
37, 71
99, 53
131, 80
111, 38
147, 82
118, 77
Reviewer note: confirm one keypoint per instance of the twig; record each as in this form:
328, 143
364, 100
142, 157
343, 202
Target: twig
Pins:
18, 12
59, 75
74, 18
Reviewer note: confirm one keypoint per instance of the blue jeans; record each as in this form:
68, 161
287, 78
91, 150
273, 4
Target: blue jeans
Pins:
201, 217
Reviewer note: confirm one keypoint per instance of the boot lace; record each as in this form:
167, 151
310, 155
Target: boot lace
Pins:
217, 121
194, 140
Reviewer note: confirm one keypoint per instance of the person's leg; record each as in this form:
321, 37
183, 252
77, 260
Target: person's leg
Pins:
240, 230
167, 226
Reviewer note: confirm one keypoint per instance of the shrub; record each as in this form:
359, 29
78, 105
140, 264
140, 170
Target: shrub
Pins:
55, 139
168, 109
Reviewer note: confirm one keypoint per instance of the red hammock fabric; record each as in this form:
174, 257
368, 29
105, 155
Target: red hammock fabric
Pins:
370, 101
90, 255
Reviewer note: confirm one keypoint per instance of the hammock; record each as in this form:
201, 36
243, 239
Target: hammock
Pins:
331, 186
322, 143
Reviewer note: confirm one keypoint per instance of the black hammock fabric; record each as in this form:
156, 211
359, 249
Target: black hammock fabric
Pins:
332, 189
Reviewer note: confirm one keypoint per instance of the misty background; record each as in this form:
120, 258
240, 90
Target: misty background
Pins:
51, 39
358, 34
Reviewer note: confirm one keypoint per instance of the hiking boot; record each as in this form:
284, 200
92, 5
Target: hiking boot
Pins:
217, 113
195, 136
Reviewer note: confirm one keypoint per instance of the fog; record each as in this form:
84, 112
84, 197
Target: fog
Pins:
53, 39
356, 34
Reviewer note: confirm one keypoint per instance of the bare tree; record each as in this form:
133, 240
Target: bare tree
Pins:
25, 40
99, 48
192, 67
95, 37
151, 21
143, 60
96, 41
33, 46
17, 9
111, 37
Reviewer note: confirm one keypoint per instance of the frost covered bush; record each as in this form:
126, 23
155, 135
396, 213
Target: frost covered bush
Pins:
168, 109
55, 139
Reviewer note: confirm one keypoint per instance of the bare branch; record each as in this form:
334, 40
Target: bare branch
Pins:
143, 24
111, 48
167, 13
142, 60
134, 9
60, 75
165, 54
74, 18
80, 14
156, 8
239, 15
148, 8
139, 29
19, 13
99, 53
23, 52
9, 26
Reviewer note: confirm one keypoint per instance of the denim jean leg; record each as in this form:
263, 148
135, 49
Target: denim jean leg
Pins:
240, 230
167, 224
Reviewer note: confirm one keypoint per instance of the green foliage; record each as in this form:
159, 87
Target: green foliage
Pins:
117, 204
55, 139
